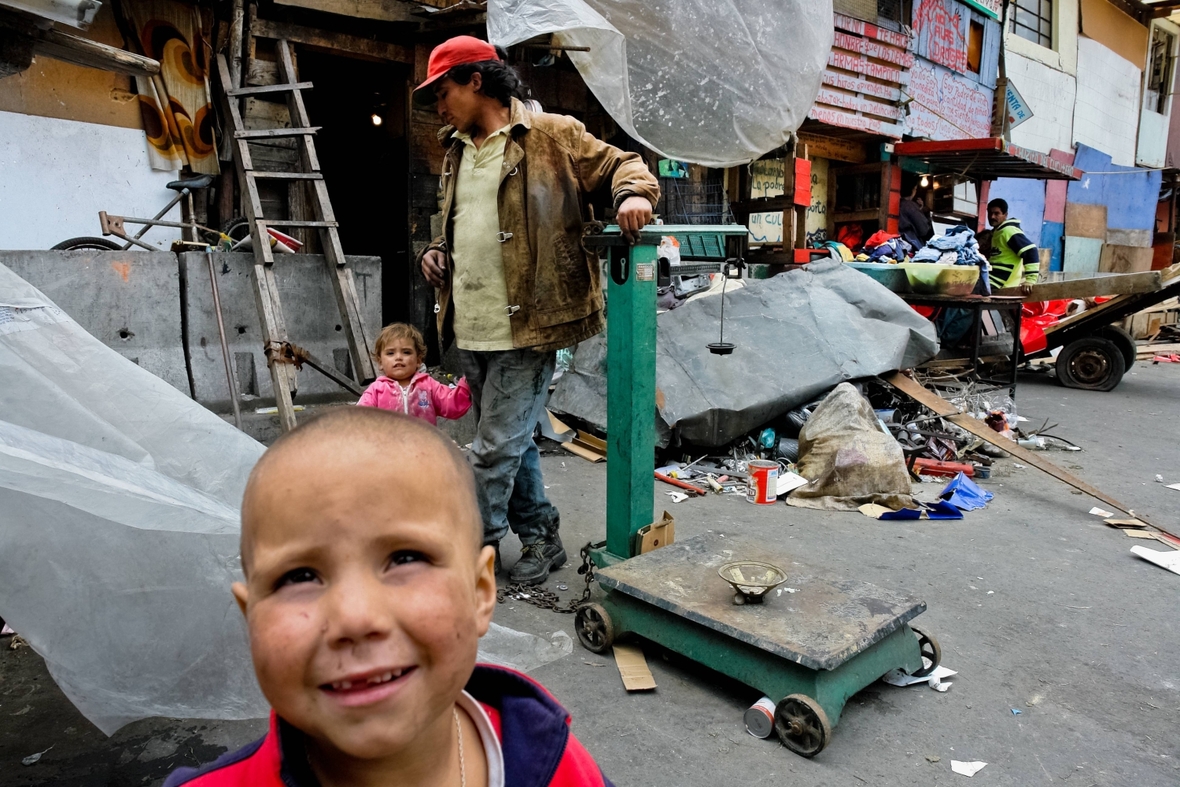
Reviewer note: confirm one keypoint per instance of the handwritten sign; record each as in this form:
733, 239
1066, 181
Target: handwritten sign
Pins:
941, 28
766, 180
946, 105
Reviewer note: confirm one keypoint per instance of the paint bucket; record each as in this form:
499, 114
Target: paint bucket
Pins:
759, 718
762, 484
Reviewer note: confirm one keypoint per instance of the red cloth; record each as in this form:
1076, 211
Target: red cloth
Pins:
879, 238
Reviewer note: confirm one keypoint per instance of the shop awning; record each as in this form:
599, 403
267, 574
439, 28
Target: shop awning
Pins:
986, 159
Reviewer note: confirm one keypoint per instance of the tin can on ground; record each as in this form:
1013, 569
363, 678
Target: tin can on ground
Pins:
762, 484
759, 718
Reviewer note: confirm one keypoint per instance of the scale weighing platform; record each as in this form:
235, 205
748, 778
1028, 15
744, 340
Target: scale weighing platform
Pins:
802, 637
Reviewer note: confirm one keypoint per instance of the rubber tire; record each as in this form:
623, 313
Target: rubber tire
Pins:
87, 244
234, 227
1124, 341
1109, 353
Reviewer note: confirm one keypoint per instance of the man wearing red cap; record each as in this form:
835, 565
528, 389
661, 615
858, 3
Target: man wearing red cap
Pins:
515, 284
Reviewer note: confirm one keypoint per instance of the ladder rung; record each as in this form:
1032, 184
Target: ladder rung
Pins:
274, 133
253, 91
293, 223
263, 174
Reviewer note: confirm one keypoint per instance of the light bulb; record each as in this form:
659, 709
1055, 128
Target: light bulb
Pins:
925, 181
377, 121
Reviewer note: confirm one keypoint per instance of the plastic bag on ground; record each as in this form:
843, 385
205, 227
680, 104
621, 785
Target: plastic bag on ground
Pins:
119, 526
964, 494
715, 82
847, 459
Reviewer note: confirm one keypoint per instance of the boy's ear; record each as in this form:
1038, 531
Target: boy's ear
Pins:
485, 588
241, 594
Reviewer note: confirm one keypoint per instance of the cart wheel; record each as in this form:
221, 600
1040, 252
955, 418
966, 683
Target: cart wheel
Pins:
1091, 363
593, 626
931, 653
802, 725
1124, 341
87, 244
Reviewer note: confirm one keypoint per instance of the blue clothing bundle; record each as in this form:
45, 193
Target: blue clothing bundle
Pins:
957, 247
894, 249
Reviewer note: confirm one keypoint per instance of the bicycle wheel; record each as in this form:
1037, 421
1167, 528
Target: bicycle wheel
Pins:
237, 228
87, 244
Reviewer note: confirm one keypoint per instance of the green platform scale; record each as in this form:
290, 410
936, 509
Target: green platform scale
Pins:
813, 641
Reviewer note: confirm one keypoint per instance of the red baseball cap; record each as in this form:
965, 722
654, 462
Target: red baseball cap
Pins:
457, 51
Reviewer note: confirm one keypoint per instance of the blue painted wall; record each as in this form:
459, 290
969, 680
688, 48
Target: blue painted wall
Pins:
1052, 234
1130, 199
1026, 201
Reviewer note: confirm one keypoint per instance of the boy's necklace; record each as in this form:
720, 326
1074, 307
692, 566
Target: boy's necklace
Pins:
462, 764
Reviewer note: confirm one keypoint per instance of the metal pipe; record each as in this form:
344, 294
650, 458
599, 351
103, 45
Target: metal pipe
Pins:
230, 378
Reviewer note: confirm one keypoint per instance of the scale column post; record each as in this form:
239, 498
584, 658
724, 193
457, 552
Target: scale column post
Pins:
630, 393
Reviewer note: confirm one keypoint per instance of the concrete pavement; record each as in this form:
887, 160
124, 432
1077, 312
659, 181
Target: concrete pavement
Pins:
1038, 605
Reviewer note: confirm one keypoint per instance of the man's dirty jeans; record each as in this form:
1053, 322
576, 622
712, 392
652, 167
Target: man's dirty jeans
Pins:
508, 391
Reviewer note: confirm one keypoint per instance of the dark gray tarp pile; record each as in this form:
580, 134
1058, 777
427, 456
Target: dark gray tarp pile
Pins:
798, 335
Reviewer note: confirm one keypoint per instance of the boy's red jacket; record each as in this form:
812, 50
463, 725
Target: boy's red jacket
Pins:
539, 749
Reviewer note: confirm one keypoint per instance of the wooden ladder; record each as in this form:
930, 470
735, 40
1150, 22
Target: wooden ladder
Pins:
284, 358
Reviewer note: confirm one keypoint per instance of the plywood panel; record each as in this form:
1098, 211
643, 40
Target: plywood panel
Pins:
1115, 30
1081, 255
1124, 259
1085, 221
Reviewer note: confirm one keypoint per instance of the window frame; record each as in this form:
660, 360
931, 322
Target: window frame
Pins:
1021, 30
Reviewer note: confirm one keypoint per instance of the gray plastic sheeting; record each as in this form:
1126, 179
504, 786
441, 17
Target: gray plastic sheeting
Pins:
798, 335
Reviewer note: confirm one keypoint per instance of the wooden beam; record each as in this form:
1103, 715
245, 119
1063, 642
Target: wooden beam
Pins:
383, 10
942, 407
326, 39
91, 54
1090, 287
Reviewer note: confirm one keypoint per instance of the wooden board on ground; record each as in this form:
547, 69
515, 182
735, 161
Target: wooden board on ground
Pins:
942, 407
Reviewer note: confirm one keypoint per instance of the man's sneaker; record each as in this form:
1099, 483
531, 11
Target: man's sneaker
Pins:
537, 560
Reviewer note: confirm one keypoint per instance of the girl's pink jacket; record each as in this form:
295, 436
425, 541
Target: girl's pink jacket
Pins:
426, 398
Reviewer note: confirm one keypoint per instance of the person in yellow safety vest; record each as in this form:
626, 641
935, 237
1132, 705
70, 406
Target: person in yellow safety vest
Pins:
1015, 261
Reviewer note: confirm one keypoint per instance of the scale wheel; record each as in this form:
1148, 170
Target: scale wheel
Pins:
593, 626
802, 725
931, 653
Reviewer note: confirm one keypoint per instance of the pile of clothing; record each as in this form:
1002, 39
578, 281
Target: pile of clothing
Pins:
884, 247
957, 247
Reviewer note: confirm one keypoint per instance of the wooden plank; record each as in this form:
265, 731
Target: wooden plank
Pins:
860, 65
298, 223
276, 133
856, 85
285, 175
382, 10
91, 54
324, 39
1088, 313
1090, 287
834, 148
868, 30
275, 88
1125, 259
262, 72
873, 49
857, 104
859, 122
984, 432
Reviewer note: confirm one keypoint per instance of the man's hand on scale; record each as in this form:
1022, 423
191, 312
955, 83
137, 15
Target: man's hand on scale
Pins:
634, 214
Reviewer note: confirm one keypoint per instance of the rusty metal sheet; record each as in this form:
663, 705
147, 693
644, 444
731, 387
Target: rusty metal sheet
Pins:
826, 620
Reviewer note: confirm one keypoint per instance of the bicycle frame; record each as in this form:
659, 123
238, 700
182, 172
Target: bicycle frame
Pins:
114, 225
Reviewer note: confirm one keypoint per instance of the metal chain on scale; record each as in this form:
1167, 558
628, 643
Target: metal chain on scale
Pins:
547, 599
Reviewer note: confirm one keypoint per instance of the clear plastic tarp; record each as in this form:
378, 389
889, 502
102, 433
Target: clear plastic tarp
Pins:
715, 82
119, 525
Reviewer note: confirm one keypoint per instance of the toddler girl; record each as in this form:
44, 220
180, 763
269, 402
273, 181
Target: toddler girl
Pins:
404, 386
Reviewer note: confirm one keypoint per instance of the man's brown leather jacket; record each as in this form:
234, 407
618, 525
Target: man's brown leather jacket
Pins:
554, 282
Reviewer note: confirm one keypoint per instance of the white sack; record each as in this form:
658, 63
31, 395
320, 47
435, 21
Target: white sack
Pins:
715, 82
119, 502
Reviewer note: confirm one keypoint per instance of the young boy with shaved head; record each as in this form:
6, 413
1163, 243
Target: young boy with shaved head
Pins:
366, 591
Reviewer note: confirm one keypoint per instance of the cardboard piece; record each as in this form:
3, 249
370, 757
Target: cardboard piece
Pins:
1085, 221
553, 428
1124, 524
1115, 29
633, 668
1140, 534
657, 534
583, 444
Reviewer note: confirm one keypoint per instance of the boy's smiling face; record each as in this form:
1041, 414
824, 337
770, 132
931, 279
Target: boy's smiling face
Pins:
367, 589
